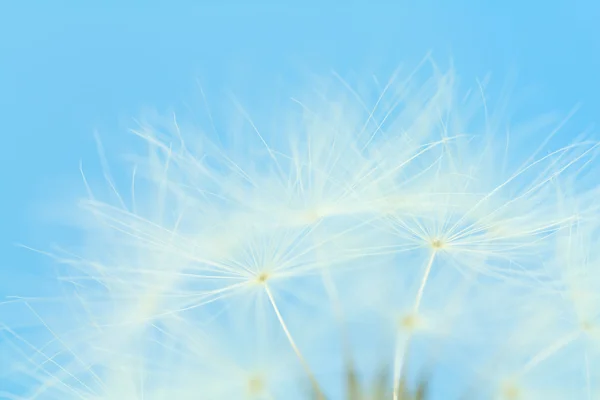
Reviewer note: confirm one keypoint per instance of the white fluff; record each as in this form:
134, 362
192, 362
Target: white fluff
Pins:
415, 231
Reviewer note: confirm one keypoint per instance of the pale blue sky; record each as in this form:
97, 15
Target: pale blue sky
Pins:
67, 69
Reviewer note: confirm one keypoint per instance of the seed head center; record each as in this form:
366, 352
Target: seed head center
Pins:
262, 277
256, 385
587, 326
511, 392
409, 322
437, 244
313, 215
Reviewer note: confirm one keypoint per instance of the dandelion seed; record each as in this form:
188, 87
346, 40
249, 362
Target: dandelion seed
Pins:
400, 227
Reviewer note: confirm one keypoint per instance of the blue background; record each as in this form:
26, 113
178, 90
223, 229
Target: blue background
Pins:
69, 69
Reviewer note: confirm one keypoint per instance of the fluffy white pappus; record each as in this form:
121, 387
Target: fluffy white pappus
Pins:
362, 237
542, 341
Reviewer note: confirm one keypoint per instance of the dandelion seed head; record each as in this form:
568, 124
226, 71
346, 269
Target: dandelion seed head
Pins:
437, 244
510, 391
411, 322
404, 223
262, 278
587, 326
256, 385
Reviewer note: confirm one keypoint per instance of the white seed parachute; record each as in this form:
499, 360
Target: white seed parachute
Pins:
415, 231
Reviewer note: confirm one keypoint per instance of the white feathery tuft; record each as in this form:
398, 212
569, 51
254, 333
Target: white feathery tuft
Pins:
416, 233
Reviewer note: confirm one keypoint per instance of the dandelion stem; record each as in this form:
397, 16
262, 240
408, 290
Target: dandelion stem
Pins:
401, 350
301, 358
398, 361
424, 281
550, 351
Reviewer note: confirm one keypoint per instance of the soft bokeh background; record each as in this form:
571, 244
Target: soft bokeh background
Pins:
68, 69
